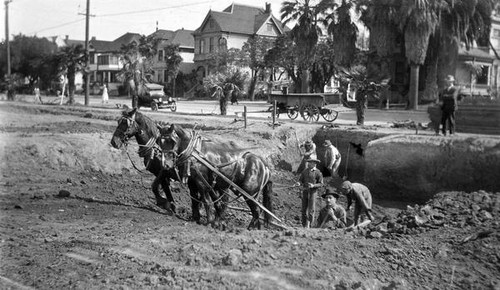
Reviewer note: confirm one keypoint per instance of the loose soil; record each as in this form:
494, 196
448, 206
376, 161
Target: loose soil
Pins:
75, 214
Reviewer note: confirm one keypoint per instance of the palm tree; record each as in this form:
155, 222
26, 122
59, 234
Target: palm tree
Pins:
70, 60
418, 21
173, 60
344, 32
137, 65
306, 31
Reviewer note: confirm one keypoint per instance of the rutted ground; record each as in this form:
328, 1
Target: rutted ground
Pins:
107, 234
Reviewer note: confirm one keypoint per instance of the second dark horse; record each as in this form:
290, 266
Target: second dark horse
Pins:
245, 170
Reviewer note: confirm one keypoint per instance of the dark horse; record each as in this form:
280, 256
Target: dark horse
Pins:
147, 134
246, 170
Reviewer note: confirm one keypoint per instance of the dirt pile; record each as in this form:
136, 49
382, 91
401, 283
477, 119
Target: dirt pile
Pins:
449, 209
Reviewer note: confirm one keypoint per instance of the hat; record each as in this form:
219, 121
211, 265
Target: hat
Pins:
450, 78
327, 143
346, 185
330, 191
313, 160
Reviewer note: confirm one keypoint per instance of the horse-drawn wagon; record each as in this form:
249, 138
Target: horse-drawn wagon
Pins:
309, 106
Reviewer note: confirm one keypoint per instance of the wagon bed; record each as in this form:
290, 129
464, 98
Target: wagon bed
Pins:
310, 106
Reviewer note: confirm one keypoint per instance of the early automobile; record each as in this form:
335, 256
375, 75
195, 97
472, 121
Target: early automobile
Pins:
155, 98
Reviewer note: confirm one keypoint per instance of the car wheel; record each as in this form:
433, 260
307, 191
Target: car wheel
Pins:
173, 107
154, 106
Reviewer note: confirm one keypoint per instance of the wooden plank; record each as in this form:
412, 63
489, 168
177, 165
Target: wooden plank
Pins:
216, 171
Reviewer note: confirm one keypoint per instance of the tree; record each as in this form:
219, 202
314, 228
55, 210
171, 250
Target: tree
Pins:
324, 67
305, 33
137, 65
222, 83
341, 28
418, 21
28, 55
283, 55
70, 60
254, 51
173, 59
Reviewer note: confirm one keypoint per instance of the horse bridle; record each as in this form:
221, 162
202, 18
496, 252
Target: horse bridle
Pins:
130, 123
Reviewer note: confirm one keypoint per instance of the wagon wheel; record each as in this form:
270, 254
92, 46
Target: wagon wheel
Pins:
309, 112
292, 113
329, 114
154, 106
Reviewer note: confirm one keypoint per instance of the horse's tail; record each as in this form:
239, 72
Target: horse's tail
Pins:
267, 200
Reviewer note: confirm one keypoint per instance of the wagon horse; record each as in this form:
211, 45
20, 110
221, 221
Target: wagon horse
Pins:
146, 132
211, 168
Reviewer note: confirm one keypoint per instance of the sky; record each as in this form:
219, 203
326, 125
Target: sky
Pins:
112, 18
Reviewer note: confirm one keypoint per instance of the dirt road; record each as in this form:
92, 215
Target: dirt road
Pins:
76, 215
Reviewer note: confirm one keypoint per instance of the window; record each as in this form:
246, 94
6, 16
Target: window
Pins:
269, 27
165, 76
482, 78
211, 23
211, 44
202, 46
496, 33
91, 58
222, 44
103, 60
160, 54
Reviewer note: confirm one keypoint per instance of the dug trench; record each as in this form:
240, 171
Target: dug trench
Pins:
76, 214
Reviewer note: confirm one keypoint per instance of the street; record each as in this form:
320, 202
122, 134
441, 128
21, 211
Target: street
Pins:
256, 110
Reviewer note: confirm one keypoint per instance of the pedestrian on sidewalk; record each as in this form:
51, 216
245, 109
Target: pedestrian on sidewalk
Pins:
105, 96
38, 98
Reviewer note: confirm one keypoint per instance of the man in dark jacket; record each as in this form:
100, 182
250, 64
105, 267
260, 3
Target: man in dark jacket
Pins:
448, 100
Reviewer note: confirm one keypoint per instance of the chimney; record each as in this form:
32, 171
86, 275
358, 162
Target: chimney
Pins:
93, 38
268, 7
67, 37
156, 25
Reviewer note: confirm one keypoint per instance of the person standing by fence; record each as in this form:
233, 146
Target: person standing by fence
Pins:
448, 102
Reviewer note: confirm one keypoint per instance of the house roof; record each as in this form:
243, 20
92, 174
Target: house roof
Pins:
115, 45
238, 18
182, 37
475, 54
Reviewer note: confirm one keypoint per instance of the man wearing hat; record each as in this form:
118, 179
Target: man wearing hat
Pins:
310, 153
332, 212
448, 100
311, 179
362, 199
332, 158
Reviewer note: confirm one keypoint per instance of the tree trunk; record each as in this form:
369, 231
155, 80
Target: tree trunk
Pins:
413, 94
253, 82
71, 88
431, 87
304, 83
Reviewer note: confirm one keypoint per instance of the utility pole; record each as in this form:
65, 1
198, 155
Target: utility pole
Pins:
7, 35
7, 42
87, 55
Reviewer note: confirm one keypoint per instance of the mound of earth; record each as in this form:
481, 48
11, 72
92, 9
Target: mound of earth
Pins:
76, 214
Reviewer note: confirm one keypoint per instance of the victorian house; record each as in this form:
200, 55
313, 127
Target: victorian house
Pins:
231, 28
183, 38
